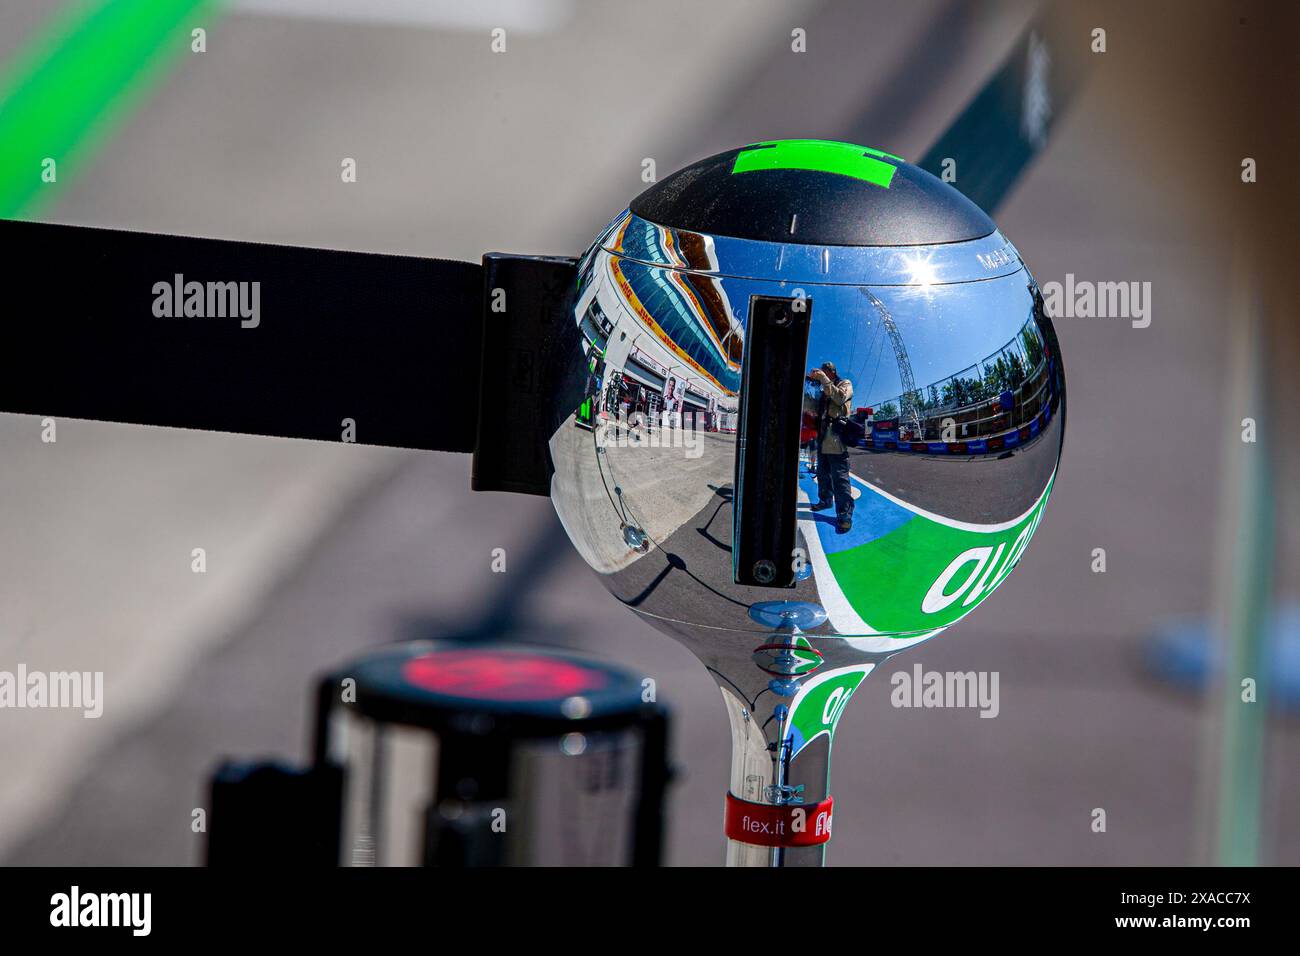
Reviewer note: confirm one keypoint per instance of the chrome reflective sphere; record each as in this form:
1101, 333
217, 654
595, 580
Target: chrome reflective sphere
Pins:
928, 400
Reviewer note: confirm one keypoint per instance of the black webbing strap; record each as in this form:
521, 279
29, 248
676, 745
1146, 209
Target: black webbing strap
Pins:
91, 330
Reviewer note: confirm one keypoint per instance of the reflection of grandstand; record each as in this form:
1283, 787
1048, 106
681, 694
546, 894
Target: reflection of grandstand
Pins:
1005, 392
666, 339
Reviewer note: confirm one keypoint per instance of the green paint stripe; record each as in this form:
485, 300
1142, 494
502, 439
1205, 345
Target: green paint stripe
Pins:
75, 81
821, 156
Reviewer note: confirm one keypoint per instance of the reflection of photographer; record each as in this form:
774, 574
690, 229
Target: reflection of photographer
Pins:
833, 484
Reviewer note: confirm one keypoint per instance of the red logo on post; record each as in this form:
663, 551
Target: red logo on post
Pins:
764, 824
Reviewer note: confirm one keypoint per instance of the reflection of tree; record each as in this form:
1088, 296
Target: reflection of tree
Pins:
963, 390
1032, 344
1004, 374
1016, 370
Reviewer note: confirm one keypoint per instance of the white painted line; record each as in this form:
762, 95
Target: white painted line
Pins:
952, 522
838, 610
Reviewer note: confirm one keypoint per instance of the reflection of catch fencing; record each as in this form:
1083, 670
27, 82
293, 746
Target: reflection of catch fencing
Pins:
1010, 409
993, 405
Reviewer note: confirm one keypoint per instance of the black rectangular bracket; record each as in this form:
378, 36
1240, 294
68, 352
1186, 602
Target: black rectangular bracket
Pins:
765, 503
531, 364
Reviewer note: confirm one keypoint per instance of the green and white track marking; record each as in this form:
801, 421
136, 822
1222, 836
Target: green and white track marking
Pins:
905, 574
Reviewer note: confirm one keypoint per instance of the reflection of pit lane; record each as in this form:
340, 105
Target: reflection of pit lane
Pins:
663, 488
698, 562
985, 489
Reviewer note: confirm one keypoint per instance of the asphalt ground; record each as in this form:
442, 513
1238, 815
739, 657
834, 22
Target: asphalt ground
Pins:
391, 544
981, 489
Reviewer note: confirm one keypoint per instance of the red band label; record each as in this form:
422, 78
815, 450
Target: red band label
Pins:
763, 824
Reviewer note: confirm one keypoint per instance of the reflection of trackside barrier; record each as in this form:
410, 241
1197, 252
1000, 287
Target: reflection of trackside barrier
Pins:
891, 440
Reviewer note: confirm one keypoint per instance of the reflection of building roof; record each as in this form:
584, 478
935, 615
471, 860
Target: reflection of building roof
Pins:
698, 252
659, 299
708, 300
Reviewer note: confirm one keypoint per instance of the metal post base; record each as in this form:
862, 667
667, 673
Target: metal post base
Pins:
765, 771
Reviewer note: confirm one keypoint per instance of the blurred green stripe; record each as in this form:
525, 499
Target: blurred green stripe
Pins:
76, 80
